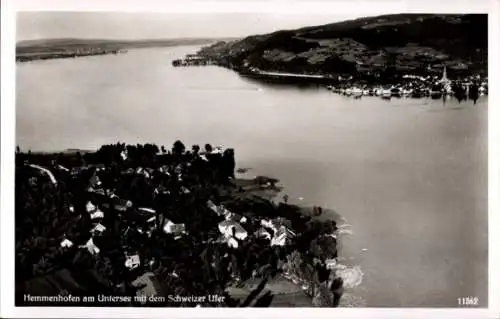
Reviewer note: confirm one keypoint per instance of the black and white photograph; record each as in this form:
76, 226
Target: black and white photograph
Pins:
251, 159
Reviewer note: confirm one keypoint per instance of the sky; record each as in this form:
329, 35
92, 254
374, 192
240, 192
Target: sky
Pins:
128, 25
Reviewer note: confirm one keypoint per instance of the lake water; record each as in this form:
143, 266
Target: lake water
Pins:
409, 176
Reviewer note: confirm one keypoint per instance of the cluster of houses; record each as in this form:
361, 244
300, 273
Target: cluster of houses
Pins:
278, 231
416, 86
192, 60
113, 209
121, 205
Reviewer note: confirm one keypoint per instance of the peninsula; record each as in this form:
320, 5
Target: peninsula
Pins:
130, 221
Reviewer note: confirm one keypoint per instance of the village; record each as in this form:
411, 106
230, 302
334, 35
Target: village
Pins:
415, 86
142, 221
405, 85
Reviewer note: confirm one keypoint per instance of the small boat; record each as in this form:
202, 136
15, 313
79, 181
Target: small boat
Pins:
407, 92
396, 92
348, 92
366, 92
417, 93
357, 92
386, 94
436, 92
329, 87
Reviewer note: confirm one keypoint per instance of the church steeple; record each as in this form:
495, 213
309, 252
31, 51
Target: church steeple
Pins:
445, 78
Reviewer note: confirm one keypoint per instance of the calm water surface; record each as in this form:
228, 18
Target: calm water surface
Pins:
409, 176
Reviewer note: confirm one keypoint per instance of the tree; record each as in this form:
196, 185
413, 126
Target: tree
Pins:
195, 149
228, 163
178, 148
208, 148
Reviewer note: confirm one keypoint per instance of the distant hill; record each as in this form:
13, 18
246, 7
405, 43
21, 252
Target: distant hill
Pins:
388, 43
68, 44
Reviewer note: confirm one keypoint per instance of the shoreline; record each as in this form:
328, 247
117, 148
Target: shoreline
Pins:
21, 58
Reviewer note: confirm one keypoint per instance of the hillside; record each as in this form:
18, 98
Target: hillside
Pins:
374, 45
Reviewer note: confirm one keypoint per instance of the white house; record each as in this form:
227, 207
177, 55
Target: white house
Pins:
97, 214
132, 262
66, 243
93, 249
231, 242
124, 155
98, 229
228, 228
90, 207
170, 227
282, 237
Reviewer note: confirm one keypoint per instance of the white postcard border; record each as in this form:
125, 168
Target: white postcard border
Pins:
9, 7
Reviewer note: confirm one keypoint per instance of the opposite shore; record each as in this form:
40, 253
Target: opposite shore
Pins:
26, 57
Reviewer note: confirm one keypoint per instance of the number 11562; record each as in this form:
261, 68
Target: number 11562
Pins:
468, 301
